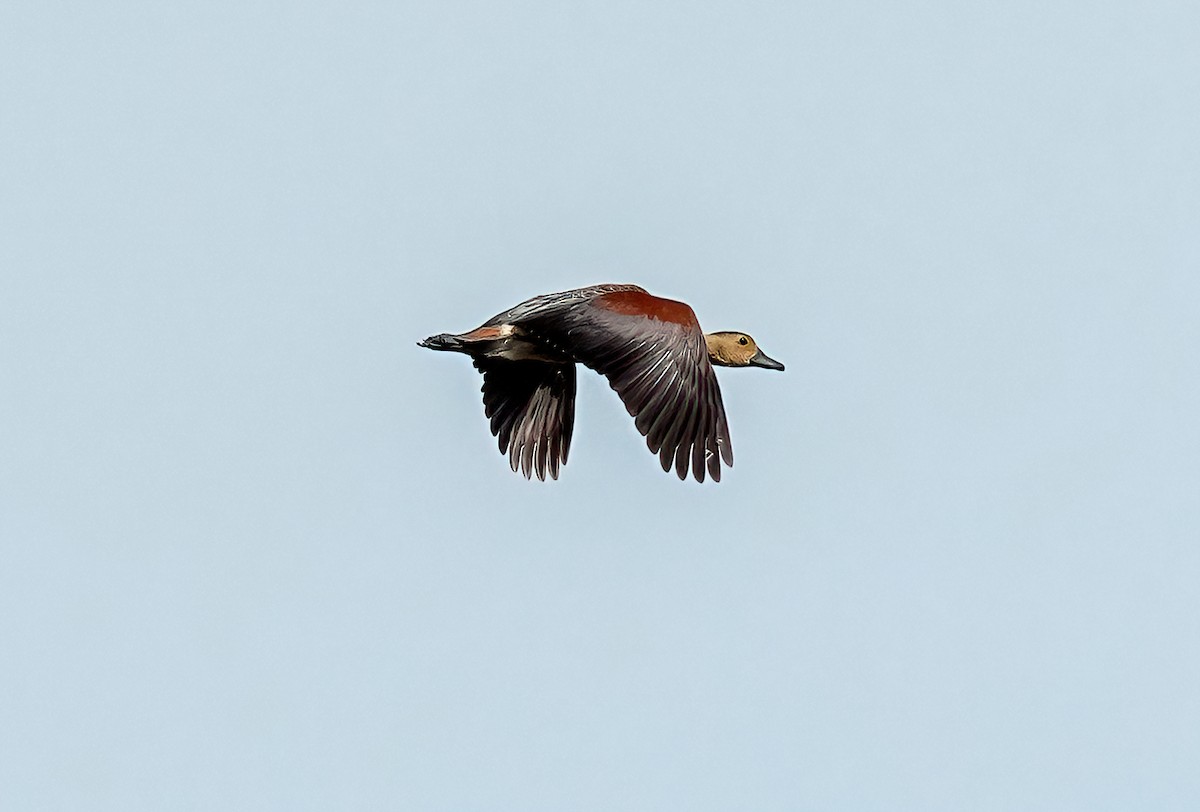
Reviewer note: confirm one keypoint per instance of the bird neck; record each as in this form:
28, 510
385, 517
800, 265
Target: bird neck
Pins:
716, 349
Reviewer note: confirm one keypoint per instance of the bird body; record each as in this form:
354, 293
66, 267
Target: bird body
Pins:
652, 351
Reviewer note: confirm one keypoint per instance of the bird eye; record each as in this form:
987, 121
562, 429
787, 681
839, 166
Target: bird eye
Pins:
743, 341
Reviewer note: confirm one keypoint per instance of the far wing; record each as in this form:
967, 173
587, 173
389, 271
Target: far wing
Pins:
532, 410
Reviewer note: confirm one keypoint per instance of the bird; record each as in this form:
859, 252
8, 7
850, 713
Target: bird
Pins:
651, 350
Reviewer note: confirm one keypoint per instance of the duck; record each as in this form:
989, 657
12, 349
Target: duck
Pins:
651, 350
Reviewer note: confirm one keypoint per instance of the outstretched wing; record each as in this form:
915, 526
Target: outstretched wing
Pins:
532, 410
654, 355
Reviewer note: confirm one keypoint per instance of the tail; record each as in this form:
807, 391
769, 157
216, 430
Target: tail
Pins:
443, 341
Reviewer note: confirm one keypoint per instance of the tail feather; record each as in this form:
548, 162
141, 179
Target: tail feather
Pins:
442, 341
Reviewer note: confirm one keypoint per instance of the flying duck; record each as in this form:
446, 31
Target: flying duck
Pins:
652, 351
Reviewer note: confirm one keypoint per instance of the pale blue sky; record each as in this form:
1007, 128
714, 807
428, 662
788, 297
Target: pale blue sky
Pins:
259, 550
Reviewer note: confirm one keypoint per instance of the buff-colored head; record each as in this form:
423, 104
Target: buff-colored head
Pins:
729, 349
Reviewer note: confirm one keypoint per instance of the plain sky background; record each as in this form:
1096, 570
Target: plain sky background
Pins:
258, 551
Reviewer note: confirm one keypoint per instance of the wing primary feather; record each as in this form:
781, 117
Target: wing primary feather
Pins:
542, 440
676, 431
686, 436
704, 423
